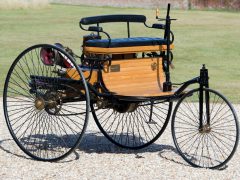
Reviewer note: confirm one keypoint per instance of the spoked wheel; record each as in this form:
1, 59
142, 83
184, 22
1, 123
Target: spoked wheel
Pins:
133, 125
212, 144
46, 102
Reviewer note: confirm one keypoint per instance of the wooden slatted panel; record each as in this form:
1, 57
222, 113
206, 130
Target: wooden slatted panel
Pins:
73, 74
136, 77
125, 50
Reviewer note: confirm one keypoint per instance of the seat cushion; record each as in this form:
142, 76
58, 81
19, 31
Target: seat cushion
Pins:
126, 42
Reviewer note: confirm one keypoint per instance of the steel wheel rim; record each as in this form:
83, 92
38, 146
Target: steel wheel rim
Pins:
47, 142
209, 157
124, 140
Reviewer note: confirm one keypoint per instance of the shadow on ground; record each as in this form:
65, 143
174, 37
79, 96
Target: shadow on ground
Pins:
97, 143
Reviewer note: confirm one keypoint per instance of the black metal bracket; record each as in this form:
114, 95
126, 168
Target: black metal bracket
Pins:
98, 30
167, 86
203, 81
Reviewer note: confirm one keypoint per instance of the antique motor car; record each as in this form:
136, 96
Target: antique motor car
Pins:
125, 83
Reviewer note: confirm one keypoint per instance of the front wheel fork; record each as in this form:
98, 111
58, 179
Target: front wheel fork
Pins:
204, 126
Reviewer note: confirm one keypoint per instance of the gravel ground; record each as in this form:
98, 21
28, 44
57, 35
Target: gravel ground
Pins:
97, 158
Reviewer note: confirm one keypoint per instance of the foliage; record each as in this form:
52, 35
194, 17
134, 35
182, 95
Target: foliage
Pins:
23, 4
216, 4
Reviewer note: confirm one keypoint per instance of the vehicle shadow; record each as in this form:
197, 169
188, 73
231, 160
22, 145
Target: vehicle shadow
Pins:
5, 145
97, 143
94, 143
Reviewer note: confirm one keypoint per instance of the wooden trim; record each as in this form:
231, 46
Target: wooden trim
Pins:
142, 77
73, 74
148, 94
124, 50
136, 77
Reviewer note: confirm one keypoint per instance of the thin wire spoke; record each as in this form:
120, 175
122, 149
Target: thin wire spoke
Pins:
41, 133
133, 129
210, 146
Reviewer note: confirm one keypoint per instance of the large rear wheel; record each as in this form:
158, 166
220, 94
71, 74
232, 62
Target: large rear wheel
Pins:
46, 108
133, 125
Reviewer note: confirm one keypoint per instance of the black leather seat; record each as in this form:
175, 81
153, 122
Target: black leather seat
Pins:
126, 42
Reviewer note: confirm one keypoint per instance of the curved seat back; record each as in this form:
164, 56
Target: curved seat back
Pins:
113, 18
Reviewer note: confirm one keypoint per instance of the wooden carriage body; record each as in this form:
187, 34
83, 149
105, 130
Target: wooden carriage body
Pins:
130, 67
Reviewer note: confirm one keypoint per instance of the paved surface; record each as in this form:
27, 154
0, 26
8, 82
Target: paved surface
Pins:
97, 158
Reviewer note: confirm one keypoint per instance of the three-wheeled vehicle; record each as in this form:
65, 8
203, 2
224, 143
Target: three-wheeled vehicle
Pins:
125, 84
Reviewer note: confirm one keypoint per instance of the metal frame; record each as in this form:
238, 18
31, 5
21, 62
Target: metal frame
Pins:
202, 80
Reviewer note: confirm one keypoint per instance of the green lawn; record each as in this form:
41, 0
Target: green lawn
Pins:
201, 37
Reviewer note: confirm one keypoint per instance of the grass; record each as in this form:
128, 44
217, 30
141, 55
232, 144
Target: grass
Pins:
201, 37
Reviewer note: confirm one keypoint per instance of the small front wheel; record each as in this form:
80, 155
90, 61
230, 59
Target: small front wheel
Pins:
212, 143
